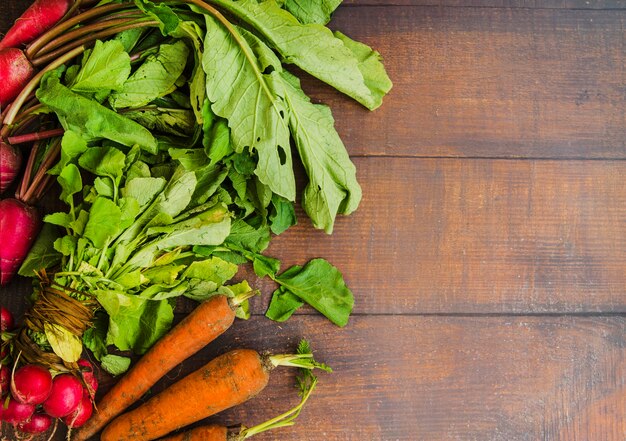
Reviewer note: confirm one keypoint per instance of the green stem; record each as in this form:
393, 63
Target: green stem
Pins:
30, 87
304, 361
282, 420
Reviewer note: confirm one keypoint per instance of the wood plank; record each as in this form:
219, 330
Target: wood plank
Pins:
528, 4
443, 378
477, 236
489, 83
450, 236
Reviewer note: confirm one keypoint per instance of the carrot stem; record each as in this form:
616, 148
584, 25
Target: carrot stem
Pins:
30, 137
27, 172
51, 155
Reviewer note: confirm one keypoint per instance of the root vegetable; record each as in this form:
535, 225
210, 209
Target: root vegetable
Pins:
209, 320
38, 423
81, 414
224, 382
31, 384
19, 225
15, 72
6, 320
16, 412
10, 161
37, 19
66, 395
5, 380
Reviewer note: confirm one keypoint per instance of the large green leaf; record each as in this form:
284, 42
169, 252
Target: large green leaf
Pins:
332, 186
312, 47
106, 68
241, 93
312, 11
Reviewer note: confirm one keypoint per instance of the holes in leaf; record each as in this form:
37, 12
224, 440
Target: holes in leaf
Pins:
268, 70
282, 114
258, 139
282, 155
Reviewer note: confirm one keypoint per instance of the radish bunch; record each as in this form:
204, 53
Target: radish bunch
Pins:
31, 398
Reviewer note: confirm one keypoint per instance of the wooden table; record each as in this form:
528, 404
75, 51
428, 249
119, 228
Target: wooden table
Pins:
488, 258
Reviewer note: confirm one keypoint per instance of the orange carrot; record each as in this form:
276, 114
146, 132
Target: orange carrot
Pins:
209, 320
213, 432
224, 382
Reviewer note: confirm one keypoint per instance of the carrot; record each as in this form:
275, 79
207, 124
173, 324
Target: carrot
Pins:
38, 18
215, 432
209, 320
224, 382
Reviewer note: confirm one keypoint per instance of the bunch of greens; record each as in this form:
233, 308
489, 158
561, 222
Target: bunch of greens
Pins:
176, 164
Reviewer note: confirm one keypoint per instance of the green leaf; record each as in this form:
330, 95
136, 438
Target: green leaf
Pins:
312, 11
217, 142
66, 245
283, 215
104, 161
115, 364
65, 344
42, 255
70, 181
106, 68
241, 93
312, 47
134, 323
178, 122
209, 178
143, 190
332, 186
155, 78
321, 285
90, 119
283, 305
265, 265
104, 222
164, 274
61, 219
214, 270
72, 146
370, 65
245, 236
94, 337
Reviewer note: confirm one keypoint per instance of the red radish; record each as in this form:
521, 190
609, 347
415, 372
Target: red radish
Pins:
6, 320
81, 414
16, 412
19, 225
91, 383
5, 379
67, 392
15, 72
37, 19
31, 384
10, 161
38, 423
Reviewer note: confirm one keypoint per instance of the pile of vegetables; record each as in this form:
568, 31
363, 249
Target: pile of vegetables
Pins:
170, 128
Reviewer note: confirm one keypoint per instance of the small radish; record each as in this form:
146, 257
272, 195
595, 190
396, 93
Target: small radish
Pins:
17, 412
19, 225
91, 383
15, 72
5, 380
38, 18
67, 392
81, 414
31, 384
38, 423
6, 320
10, 161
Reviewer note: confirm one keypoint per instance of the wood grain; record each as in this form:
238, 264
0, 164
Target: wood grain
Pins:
489, 83
500, 236
527, 4
443, 378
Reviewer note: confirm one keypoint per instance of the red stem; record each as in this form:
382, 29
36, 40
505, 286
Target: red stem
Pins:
30, 137
28, 171
41, 173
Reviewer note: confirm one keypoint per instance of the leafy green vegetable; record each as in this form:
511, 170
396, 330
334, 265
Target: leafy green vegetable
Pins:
242, 93
283, 304
42, 254
155, 78
106, 68
89, 119
312, 11
115, 364
319, 284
